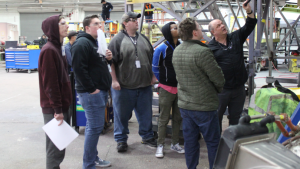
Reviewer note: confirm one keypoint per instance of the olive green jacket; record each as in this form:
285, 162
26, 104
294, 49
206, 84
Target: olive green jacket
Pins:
199, 77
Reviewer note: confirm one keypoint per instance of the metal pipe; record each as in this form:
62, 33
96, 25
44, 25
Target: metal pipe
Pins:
251, 55
59, 3
287, 34
142, 18
261, 22
287, 23
202, 8
270, 47
168, 11
284, 132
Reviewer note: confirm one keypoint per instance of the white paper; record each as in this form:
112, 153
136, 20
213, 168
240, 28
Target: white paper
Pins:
61, 135
72, 26
102, 46
109, 68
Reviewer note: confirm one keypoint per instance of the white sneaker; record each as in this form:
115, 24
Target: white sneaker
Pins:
177, 148
160, 151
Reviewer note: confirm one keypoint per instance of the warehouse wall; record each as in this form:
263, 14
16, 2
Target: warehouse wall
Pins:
12, 17
113, 15
31, 24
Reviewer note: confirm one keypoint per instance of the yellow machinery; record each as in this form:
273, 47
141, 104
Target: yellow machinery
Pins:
293, 66
33, 47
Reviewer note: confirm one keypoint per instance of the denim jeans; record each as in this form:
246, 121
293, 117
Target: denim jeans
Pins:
94, 107
149, 18
124, 102
194, 122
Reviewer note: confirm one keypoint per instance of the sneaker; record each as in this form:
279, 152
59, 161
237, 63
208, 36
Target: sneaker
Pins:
122, 147
160, 151
150, 142
102, 163
177, 148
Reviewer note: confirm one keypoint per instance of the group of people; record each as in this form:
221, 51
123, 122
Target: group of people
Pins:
196, 81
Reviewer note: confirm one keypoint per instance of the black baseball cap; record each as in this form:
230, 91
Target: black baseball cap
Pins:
130, 14
102, 1
72, 33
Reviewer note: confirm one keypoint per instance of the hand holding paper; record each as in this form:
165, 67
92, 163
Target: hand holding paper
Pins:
61, 135
59, 117
108, 54
102, 46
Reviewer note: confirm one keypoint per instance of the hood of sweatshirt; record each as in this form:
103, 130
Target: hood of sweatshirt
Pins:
167, 33
50, 28
86, 35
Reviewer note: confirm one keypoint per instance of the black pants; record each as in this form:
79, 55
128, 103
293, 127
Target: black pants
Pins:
105, 16
234, 99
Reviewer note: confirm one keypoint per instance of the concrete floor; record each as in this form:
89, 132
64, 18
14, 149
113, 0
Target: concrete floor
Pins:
23, 140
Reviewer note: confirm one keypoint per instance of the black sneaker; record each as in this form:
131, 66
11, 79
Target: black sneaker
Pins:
122, 147
151, 142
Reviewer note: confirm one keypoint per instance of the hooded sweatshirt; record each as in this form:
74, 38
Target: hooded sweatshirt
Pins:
162, 66
91, 71
54, 82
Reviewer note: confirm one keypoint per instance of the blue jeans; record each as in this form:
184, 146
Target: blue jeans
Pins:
94, 107
194, 122
148, 19
124, 102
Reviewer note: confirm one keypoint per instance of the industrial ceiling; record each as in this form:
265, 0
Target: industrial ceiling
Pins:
59, 5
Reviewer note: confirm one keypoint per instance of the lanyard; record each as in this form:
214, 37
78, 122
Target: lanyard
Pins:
135, 44
170, 45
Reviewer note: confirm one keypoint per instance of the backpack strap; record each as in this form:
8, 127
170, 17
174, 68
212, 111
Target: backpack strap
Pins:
285, 90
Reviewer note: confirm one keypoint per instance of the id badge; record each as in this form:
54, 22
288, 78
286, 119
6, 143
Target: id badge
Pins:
63, 52
138, 64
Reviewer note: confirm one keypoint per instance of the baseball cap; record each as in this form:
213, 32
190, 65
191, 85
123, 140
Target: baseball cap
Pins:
102, 1
130, 14
72, 33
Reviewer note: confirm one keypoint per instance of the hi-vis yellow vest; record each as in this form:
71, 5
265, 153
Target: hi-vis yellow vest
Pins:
270, 99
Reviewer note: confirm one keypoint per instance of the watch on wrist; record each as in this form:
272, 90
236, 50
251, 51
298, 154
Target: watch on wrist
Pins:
249, 12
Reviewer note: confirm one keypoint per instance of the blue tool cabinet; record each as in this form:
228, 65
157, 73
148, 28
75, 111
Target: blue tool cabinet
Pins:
22, 59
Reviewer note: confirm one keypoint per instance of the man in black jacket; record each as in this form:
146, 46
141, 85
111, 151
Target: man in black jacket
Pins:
43, 41
106, 8
228, 51
93, 81
148, 14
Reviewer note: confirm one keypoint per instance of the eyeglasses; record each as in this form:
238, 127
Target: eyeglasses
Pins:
174, 29
229, 46
96, 24
132, 19
63, 23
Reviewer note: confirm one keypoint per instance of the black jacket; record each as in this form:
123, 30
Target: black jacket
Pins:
162, 65
148, 13
42, 42
106, 7
91, 71
231, 57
